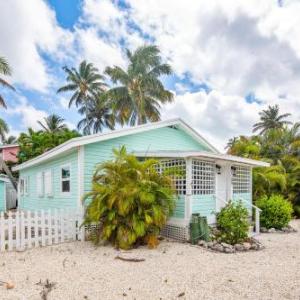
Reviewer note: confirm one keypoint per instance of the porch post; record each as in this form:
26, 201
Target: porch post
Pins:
188, 196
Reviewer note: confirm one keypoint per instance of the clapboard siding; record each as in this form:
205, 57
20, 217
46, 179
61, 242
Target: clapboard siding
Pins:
162, 139
32, 201
203, 204
2, 196
179, 207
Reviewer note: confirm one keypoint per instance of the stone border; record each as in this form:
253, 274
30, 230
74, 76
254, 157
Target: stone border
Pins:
287, 229
251, 245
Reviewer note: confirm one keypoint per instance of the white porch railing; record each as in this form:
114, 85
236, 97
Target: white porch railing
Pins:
29, 229
257, 212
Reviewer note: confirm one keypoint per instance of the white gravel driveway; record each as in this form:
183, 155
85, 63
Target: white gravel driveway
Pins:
173, 271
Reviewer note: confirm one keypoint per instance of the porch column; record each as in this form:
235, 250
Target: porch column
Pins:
188, 196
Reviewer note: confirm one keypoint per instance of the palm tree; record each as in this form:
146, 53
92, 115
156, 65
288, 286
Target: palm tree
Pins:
53, 123
139, 94
85, 83
5, 70
270, 119
98, 114
3, 129
10, 140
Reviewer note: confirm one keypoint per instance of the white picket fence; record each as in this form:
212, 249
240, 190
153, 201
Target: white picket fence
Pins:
28, 229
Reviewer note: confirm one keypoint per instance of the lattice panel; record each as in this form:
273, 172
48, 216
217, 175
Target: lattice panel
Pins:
179, 233
203, 177
179, 181
241, 181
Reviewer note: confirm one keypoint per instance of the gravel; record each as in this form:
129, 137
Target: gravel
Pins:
172, 271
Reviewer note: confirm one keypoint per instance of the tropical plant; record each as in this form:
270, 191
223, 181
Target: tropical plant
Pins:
97, 116
10, 140
53, 123
130, 199
34, 143
271, 119
139, 93
85, 83
5, 70
3, 130
232, 223
276, 211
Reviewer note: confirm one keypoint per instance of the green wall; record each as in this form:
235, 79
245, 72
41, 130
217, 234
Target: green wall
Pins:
33, 201
203, 204
2, 196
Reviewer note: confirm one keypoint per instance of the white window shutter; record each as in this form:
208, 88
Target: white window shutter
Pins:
48, 183
40, 184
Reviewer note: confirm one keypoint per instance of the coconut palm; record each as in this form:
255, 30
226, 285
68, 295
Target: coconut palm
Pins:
3, 130
139, 93
53, 123
5, 70
10, 140
85, 83
98, 115
271, 119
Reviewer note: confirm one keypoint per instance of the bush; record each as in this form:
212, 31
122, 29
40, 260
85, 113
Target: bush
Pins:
130, 199
232, 223
276, 211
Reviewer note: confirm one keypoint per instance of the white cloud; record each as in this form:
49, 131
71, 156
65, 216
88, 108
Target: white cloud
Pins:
28, 28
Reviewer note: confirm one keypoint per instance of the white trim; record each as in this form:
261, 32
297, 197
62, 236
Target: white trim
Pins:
46, 172
4, 196
80, 141
80, 178
8, 146
203, 154
68, 165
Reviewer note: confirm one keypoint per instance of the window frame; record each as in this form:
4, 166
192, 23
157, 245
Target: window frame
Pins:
22, 186
46, 193
63, 179
40, 193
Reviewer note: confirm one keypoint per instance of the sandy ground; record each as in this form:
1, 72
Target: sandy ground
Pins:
173, 271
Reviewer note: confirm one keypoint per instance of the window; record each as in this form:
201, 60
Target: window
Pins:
65, 179
241, 181
48, 183
40, 184
203, 177
179, 181
22, 183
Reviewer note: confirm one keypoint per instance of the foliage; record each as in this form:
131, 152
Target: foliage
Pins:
232, 223
3, 130
130, 199
5, 70
34, 143
276, 211
53, 123
139, 93
10, 140
270, 119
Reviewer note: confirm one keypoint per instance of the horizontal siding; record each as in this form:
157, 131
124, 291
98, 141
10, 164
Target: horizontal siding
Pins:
2, 196
203, 204
32, 201
162, 139
179, 207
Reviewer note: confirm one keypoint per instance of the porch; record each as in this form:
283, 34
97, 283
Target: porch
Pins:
209, 182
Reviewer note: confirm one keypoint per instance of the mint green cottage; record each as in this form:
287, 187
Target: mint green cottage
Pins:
60, 177
8, 195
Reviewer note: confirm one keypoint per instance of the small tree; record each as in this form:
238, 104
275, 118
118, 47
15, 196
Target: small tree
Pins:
232, 223
130, 199
276, 211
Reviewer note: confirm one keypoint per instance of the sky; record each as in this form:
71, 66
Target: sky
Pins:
231, 59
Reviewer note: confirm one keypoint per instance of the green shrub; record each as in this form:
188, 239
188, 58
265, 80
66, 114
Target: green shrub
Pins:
276, 211
232, 223
297, 211
130, 199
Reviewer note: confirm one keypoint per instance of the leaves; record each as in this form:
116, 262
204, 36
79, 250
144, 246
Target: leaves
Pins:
129, 198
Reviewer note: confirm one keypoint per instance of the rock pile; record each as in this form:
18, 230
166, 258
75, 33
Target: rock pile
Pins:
251, 244
287, 229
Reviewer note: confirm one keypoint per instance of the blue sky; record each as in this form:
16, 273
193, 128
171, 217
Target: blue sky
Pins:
230, 60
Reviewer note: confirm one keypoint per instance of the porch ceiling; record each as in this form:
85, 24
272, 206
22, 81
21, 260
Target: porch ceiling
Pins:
203, 154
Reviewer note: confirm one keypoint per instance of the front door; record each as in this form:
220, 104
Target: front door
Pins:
223, 177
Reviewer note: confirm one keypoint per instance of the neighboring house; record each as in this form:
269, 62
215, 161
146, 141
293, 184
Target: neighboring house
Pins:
60, 177
9, 152
8, 195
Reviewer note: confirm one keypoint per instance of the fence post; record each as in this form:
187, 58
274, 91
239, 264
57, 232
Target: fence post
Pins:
55, 226
17, 227
50, 227
62, 227
22, 231
257, 220
10, 231
43, 227
2, 232
29, 224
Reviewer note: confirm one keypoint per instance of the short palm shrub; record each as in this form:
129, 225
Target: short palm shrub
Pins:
130, 199
232, 223
276, 211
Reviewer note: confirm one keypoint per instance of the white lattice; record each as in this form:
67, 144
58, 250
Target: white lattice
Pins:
241, 180
180, 166
180, 233
203, 177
